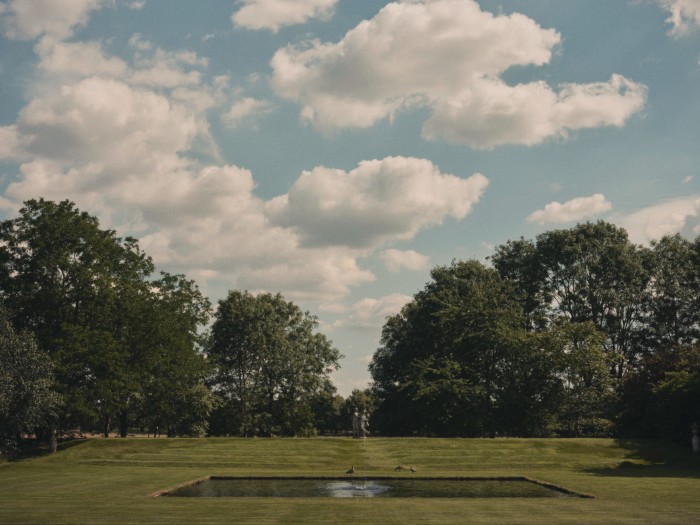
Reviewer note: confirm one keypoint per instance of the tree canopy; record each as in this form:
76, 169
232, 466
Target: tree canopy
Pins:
270, 365
556, 337
27, 398
577, 332
112, 331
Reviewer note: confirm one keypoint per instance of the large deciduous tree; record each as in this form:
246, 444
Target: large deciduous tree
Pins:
589, 273
270, 365
457, 360
673, 300
461, 359
27, 398
113, 333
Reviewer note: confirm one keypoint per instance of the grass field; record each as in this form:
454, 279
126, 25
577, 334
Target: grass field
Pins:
109, 481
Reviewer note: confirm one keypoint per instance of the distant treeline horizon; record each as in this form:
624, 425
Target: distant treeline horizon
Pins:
576, 333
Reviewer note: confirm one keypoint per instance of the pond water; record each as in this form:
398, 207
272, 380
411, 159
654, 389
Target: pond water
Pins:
366, 488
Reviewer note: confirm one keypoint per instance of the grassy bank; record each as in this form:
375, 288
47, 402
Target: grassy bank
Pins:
109, 481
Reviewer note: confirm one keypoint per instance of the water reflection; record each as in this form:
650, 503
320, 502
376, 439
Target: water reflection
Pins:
355, 488
366, 488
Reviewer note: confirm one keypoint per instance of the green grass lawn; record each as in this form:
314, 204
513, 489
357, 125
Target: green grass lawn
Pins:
109, 481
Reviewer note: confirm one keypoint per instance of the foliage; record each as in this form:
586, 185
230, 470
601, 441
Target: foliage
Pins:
27, 398
270, 365
587, 396
117, 338
662, 397
673, 300
589, 273
532, 347
458, 361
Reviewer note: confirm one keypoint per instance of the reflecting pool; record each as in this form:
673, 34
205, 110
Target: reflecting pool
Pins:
367, 488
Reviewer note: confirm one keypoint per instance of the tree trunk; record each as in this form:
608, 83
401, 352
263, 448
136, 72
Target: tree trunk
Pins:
106, 427
123, 424
53, 439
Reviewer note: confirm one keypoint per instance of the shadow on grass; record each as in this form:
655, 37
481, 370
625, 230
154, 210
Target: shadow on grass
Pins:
653, 459
34, 448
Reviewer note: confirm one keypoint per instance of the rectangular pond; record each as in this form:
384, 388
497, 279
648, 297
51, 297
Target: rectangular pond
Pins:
370, 487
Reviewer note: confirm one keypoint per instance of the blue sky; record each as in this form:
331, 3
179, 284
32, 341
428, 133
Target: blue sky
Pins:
336, 150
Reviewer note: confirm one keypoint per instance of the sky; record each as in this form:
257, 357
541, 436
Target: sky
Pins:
337, 150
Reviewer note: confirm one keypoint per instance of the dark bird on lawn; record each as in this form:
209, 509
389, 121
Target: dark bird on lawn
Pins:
399, 468
350, 471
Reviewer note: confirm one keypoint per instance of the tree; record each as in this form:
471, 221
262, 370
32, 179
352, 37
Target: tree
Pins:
675, 401
270, 365
586, 399
173, 396
27, 398
661, 398
113, 333
63, 278
328, 408
447, 364
589, 273
520, 264
460, 360
672, 313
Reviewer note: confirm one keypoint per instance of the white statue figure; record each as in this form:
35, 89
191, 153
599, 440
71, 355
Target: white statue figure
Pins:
356, 425
364, 423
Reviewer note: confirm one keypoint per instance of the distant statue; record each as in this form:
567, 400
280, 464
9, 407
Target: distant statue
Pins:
696, 438
364, 424
356, 425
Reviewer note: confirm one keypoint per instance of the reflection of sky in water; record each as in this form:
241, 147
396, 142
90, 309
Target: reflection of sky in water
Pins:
355, 488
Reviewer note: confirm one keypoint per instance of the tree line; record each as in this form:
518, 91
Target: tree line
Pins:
93, 339
578, 332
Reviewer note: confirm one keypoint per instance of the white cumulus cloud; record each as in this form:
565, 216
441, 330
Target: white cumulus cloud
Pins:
573, 210
396, 260
371, 313
665, 218
245, 109
29, 19
126, 138
380, 200
274, 14
684, 15
446, 55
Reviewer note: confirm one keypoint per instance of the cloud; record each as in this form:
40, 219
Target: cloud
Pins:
396, 260
245, 109
446, 55
370, 313
121, 149
492, 113
9, 142
573, 210
126, 139
108, 123
29, 19
664, 218
274, 14
684, 15
381, 200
